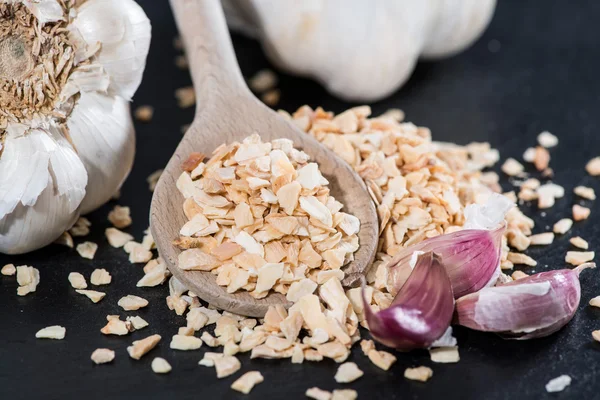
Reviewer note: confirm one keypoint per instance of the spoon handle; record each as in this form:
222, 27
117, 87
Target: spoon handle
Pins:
213, 65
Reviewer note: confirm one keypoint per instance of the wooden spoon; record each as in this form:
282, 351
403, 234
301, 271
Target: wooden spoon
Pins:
226, 111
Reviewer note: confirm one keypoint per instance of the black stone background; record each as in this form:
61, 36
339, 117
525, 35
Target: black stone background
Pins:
535, 68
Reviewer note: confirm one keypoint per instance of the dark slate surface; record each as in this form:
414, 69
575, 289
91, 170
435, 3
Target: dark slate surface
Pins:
534, 69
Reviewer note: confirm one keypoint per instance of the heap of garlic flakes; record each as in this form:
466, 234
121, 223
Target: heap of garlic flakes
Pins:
261, 218
420, 187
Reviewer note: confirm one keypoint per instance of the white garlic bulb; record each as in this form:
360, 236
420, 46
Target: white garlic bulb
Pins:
359, 50
67, 70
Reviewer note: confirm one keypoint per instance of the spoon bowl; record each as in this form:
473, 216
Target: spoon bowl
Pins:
227, 111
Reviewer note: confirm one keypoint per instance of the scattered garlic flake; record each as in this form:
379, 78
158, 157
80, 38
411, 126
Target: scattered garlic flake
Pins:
138, 253
580, 213
131, 303
181, 62
140, 347
344, 394
382, 359
595, 302
246, 382
271, 98
518, 275
520, 258
160, 366
181, 342
153, 178
593, 166
512, 167
421, 374
120, 217
100, 277
115, 326
81, 227
117, 238
585, 192
65, 240
563, 226
547, 140
558, 384
348, 372
262, 81
103, 356
186, 97
8, 270
227, 365
541, 239
77, 280
56, 332
28, 279
144, 113
137, 322
529, 154
154, 277
579, 257
444, 355
87, 249
548, 193
318, 394
93, 295
579, 242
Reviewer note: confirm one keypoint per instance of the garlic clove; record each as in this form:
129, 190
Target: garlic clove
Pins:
471, 256
28, 228
124, 31
528, 308
41, 186
420, 313
102, 131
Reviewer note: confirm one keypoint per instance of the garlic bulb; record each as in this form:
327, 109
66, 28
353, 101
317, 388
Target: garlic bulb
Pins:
67, 69
360, 50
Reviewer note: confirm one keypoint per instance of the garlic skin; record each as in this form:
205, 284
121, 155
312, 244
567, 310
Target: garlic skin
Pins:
359, 50
471, 256
421, 312
66, 149
531, 307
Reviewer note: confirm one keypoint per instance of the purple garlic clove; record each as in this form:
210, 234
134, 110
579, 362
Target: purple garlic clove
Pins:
471, 258
531, 307
421, 311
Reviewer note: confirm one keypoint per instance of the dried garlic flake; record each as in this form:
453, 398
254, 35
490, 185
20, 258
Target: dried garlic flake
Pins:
161, 366
87, 249
444, 355
56, 332
348, 372
130, 303
246, 382
103, 356
421, 374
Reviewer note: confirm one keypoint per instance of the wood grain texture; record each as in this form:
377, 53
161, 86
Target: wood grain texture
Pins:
226, 111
